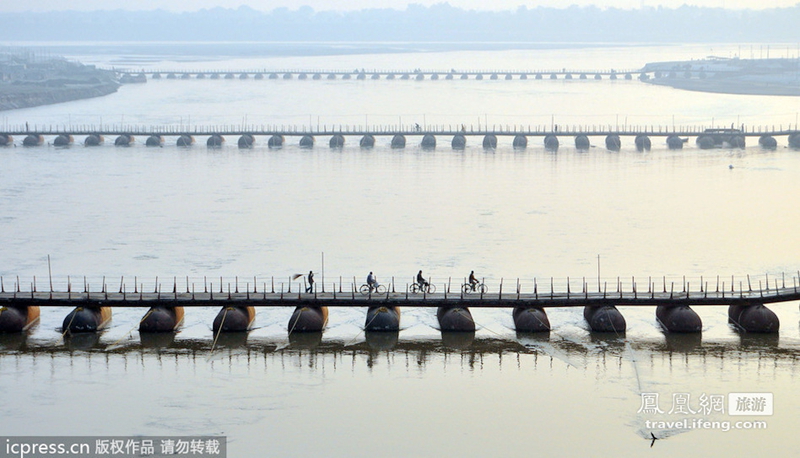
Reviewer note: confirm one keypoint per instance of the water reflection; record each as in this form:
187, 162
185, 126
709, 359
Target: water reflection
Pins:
82, 341
157, 340
13, 342
305, 340
382, 341
231, 339
574, 352
683, 342
458, 340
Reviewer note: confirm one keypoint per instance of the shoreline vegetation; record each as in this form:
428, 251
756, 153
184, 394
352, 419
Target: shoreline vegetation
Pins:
29, 81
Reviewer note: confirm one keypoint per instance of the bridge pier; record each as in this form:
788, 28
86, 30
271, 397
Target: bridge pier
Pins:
367, 141
530, 319
382, 319
63, 140
705, 142
459, 142
162, 319
185, 141
308, 319
154, 140
246, 141
490, 141
794, 141
674, 142
551, 143
642, 143
455, 319
679, 318
215, 141
33, 140
123, 140
520, 142
307, 141
86, 319
753, 318
275, 141
768, 142
613, 142
234, 319
398, 141
94, 140
582, 143
428, 141
15, 319
604, 318
6, 140
337, 141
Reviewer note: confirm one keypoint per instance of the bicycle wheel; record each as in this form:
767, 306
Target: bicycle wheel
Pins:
364, 289
482, 289
466, 289
431, 288
414, 288
380, 289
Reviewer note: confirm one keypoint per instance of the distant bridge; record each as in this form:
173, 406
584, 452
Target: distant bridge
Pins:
133, 76
644, 74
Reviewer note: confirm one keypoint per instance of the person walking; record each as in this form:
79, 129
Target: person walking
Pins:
310, 287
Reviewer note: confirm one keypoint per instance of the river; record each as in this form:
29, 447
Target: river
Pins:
508, 214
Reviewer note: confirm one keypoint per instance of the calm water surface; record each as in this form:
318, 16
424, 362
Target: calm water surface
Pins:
508, 214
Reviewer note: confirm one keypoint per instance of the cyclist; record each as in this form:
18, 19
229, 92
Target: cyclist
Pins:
421, 280
372, 282
473, 282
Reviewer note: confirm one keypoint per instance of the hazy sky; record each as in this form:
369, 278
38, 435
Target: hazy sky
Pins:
266, 5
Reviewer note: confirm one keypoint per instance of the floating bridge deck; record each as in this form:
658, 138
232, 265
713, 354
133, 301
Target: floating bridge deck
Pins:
428, 136
544, 295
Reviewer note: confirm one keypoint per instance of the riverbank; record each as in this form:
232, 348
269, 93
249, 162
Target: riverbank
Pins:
31, 96
729, 76
27, 82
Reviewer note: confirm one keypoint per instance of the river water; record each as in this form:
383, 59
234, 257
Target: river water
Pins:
191, 215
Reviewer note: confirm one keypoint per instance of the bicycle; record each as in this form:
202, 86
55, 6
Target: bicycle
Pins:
467, 288
366, 289
423, 288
